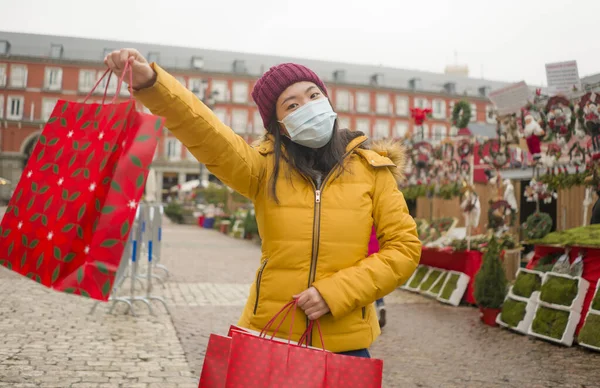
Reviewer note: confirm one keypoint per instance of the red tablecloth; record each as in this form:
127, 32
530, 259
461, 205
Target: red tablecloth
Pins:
465, 262
591, 271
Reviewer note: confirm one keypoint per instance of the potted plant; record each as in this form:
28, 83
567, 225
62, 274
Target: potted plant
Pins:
490, 284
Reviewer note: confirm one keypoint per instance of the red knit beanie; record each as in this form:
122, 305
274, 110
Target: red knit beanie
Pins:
270, 86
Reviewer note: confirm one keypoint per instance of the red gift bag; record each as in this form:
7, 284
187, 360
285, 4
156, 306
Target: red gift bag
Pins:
256, 361
67, 223
214, 370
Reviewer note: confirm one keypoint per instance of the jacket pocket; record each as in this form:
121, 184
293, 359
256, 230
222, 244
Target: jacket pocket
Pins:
258, 281
364, 313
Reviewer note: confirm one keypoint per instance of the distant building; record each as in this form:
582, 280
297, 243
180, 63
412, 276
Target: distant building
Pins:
37, 70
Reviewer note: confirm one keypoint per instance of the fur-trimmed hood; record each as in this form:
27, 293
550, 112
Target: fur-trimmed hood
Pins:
396, 152
390, 153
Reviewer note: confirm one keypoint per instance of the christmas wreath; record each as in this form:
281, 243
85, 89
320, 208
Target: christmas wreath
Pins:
560, 118
537, 226
497, 154
461, 114
465, 148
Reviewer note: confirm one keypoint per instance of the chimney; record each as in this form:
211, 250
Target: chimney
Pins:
4, 47
484, 91
56, 51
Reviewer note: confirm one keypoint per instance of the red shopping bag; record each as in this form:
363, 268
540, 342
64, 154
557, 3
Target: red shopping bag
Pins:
67, 224
256, 361
214, 370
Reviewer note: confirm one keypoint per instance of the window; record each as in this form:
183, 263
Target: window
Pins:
18, 76
400, 130
14, 107
363, 102
490, 114
188, 155
239, 121
453, 132
198, 87
473, 113
56, 50
382, 104
421, 103
1, 106
222, 115
2, 75
87, 80
47, 107
439, 132
172, 149
344, 122
258, 123
421, 133
342, 100
220, 90
382, 129
439, 109
402, 105
197, 62
240, 92
53, 78
364, 126
112, 84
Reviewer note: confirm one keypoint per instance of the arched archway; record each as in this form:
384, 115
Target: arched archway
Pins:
28, 146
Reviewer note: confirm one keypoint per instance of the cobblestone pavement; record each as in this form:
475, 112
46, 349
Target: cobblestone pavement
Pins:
48, 339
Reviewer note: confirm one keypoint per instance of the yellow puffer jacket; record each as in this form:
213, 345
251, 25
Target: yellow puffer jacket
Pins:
316, 235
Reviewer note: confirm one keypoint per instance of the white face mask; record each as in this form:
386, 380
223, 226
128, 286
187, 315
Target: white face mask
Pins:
312, 124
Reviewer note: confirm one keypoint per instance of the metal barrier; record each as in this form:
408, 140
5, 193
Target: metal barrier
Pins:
145, 240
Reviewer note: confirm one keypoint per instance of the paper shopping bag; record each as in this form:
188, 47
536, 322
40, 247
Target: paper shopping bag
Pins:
67, 224
257, 361
214, 369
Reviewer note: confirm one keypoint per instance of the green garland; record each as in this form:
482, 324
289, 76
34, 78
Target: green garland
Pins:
461, 114
565, 181
537, 226
448, 191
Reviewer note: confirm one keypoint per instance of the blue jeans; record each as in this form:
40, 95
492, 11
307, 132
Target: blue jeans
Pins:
379, 302
363, 353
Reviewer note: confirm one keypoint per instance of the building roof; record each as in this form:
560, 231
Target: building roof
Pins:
83, 49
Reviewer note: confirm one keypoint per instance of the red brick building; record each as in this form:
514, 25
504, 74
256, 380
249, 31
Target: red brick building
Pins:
37, 70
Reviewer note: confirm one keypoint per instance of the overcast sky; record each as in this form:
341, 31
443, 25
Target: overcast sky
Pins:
508, 40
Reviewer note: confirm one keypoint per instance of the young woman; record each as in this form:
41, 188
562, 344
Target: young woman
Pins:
317, 191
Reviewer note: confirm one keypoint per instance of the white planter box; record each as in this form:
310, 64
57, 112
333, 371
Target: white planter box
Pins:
459, 291
440, 280
431, 272
590, 313
525, 324
577, 304
416, 289
404, 286
568, 334
534, 294
596, 295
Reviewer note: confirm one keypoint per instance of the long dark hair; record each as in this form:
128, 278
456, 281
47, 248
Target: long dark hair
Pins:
312, 164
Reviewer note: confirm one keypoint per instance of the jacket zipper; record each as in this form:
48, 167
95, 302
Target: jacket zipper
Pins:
317, 228
258, 281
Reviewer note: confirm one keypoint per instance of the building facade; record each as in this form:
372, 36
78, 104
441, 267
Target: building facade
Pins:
36, 71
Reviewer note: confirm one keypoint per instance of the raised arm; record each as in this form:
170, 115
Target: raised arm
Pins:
221, 150
382, 272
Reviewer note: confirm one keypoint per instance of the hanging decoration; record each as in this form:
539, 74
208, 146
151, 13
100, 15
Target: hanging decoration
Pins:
507, 129
461, 114
539, 192
495, 153
464, 148
589, 118
537, 226
577, 156
560, 119
532, 131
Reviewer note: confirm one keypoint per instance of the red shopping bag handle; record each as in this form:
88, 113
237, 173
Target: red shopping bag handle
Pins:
110, 73
290, 306
304, 338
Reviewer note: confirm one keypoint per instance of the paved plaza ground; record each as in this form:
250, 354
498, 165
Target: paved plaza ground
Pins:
48, 339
